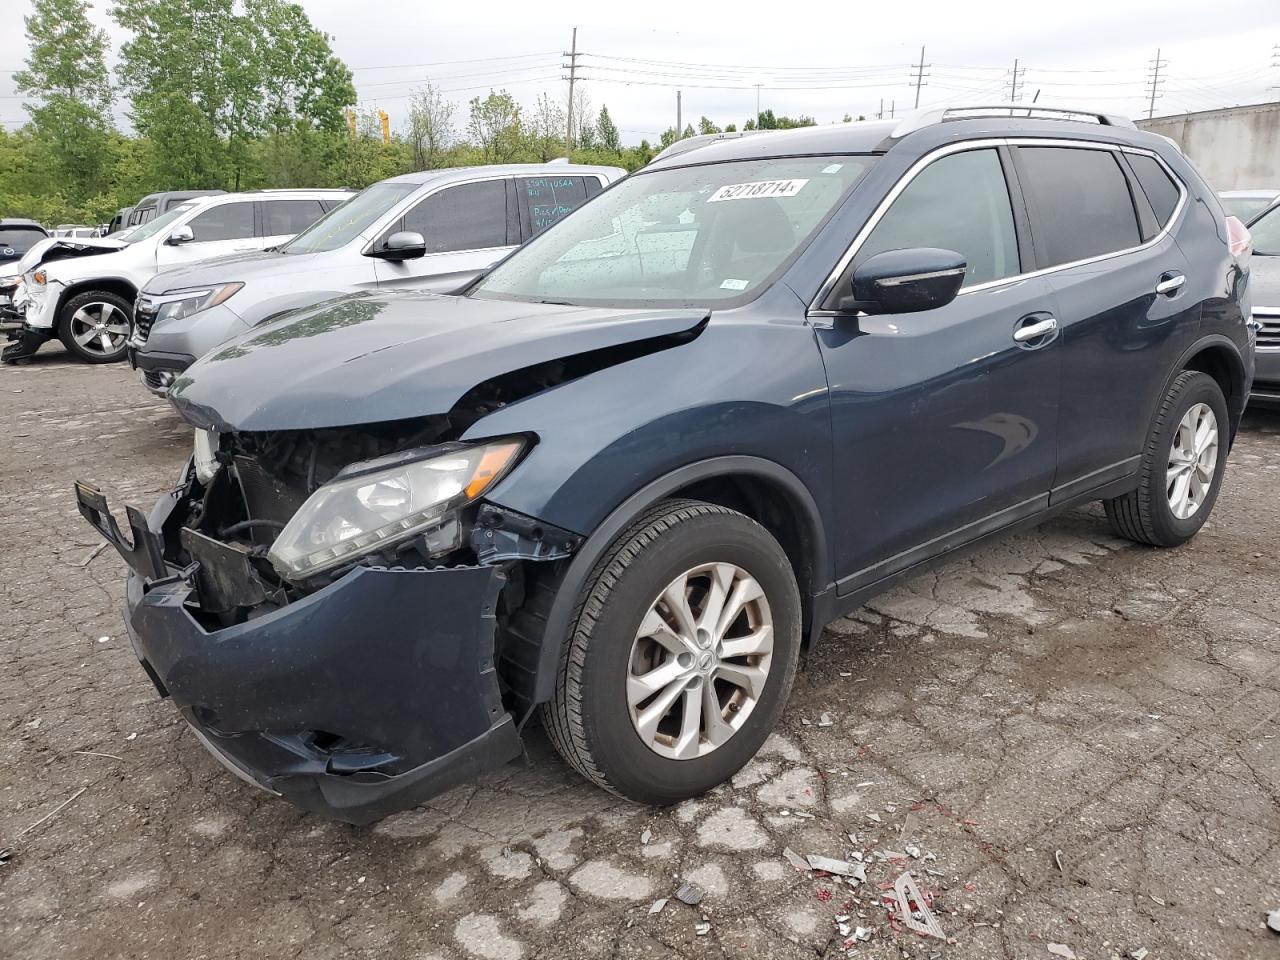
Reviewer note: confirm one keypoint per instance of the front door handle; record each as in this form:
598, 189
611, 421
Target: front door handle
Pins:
1034, 331
1170, 283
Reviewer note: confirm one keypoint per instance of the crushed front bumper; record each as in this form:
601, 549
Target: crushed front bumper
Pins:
361, 699
24, 341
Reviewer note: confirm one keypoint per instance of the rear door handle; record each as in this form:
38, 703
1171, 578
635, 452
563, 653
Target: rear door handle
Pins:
1170, 283
1034, 331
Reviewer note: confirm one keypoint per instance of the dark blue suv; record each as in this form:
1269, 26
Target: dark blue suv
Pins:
623, 480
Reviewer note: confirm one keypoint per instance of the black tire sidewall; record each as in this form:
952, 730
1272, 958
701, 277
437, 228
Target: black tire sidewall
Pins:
75, 303
1199, 389
629, 765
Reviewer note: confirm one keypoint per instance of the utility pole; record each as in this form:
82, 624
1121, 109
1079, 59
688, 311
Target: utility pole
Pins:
758, 102
918, 81
892, 104
880, 113
573, 75
1154, 79
1015, 88
679, 127
1275, 64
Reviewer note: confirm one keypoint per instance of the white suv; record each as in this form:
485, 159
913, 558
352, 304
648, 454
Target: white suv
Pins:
87, 302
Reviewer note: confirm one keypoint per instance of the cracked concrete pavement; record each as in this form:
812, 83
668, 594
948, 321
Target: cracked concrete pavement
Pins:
1060, 690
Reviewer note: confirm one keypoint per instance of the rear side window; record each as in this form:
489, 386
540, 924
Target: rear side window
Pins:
1162, 193
229, 221
960, 203
289, 217
1080, 199
470, 216
545, 201
19, 239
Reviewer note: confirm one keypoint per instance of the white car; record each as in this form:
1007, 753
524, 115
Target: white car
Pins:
87, 301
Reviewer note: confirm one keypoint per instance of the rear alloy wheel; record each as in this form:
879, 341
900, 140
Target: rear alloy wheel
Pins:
1182, 466
95, 326
684, 647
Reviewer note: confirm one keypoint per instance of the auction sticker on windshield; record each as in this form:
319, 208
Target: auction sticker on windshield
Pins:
757, 188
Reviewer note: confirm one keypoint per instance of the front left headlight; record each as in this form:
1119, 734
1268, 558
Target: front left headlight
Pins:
183, 303
353, 515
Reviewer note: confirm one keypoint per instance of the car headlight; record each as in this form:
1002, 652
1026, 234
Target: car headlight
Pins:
353, 515
183, 303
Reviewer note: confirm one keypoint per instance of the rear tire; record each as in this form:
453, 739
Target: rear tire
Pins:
1182, 466
95, 326
597, 717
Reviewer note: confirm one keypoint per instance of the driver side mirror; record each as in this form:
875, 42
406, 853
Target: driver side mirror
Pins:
402, 245
905, 281
180, 236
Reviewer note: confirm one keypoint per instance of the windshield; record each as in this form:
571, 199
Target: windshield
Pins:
18, 239
159, 223
689, 236
1266, 233
343, 224
1245, 208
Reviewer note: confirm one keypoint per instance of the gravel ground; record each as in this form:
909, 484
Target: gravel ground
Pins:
1059, 691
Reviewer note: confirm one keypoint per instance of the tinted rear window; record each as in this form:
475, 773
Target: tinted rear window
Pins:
290, 217
545, 201
1081, 203
1161, 191
19, 239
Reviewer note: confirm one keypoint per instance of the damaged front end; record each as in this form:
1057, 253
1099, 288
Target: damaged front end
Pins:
324, 606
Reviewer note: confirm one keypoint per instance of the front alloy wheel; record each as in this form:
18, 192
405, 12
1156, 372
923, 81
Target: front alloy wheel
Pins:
681, 656
95, 326
700, 661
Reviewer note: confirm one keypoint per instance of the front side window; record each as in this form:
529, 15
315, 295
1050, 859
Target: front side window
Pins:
1080, 199
342, 225
152, 227
959, 202
289, 217
685, 236
470, 216
228, 221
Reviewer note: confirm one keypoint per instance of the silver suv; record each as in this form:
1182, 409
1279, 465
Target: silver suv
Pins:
435, 230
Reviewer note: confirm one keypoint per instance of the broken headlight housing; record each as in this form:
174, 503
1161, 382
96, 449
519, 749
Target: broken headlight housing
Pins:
361, 512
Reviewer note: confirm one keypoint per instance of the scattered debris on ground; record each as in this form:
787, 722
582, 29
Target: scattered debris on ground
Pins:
1062, 950
690, 893
910, 908
1273, 921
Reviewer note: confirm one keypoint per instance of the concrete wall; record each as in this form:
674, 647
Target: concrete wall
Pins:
1234, 149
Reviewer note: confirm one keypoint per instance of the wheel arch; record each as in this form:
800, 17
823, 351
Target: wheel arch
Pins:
764, 490
1219, 357
116, 285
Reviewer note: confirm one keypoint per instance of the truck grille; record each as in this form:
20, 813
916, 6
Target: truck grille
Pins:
144, 316
1269, 334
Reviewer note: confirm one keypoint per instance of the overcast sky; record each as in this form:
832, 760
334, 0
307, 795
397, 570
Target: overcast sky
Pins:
806, 57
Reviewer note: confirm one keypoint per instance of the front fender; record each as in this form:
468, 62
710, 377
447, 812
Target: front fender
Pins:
742, 399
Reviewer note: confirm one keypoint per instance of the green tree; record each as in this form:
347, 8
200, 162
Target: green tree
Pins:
705, 126
66, 76
687, 132
731, 128
547, 131
495, 126
607, 131
430, 130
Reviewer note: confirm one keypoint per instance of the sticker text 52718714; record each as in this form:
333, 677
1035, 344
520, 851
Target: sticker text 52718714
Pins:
757, 188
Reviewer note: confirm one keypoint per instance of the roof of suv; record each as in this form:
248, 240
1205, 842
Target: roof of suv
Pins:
877, 136
501, 170
12, 222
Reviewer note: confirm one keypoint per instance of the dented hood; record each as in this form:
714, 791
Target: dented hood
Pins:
65, 247
369, 358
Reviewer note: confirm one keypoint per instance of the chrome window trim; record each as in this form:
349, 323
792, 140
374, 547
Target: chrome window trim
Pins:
914, 170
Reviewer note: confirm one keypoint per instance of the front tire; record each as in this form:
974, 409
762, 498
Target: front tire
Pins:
95, 326
1182, 466
682, 653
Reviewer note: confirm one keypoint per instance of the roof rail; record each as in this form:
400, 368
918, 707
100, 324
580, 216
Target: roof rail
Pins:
928, 116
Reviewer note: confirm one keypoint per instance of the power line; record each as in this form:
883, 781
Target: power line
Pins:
920, 75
